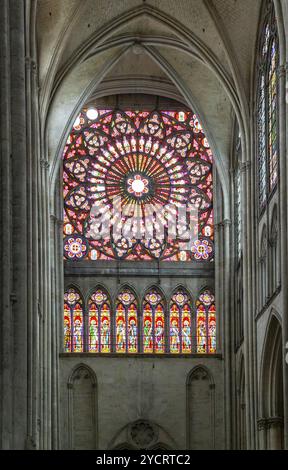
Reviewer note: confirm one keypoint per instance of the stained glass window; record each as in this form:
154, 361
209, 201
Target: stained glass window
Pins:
106, 330
267, 107
180, 323
135, 184
153, 323
73, 321
99, 322
126, 323
206, 323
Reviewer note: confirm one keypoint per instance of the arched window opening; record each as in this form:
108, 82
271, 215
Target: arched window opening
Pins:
267, 107
99, 322
126, 320
206, 323
180, 323
274, 251
153, 323
73, 321
263, 268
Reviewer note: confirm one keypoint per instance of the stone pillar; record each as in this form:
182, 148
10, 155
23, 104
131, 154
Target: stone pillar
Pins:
275, 432
283, 226
262, 433
223, 290
19, 261
249, 289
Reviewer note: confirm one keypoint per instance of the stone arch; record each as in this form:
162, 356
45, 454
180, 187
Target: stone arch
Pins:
263, 266
185, 289
82, 408
270, 424
101, 286
142, 434
130, 287
200, 415
274, 250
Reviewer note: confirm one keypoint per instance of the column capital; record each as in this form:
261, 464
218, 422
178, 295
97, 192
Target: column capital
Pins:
44, 164
271, 422
262, 424
244, 166
31, 64
56, 220
275, 422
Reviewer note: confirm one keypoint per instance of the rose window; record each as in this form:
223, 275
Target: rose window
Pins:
127, 177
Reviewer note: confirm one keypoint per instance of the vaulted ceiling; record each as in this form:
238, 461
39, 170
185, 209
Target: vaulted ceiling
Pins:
200, 52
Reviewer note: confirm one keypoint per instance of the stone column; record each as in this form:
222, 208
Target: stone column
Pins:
249, 289
262, 433
283, 226
275, 431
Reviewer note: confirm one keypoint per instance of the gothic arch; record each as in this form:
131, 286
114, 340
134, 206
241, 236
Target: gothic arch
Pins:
185, 289
100, 286
142, 434
274, 250
131, 288
88, 49
270, 423
82, 408
159, 289
200, 392
263, 267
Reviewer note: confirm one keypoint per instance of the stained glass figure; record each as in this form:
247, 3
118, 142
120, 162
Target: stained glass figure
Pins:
267, 108
126, 323
206, 323
180, 323
123, 164
153, 323
73, 321
99, 322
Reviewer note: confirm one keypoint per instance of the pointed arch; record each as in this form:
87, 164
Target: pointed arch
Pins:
99, 321
73, 320
206, 322
274, 250
200, 392
127, 321
154, 320
271, 387
267, 106
181, 318
263, 266
82, 408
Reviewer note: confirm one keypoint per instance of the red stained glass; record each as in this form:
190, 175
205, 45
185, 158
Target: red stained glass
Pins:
73, 322
126, 323
180, 323
153, 323
99, 322
206, 323
155, 162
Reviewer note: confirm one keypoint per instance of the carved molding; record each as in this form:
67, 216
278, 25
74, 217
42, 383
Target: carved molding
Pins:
244, 166
268, 423
44, 164
143, 434
223, 223
56, 220
31, 64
